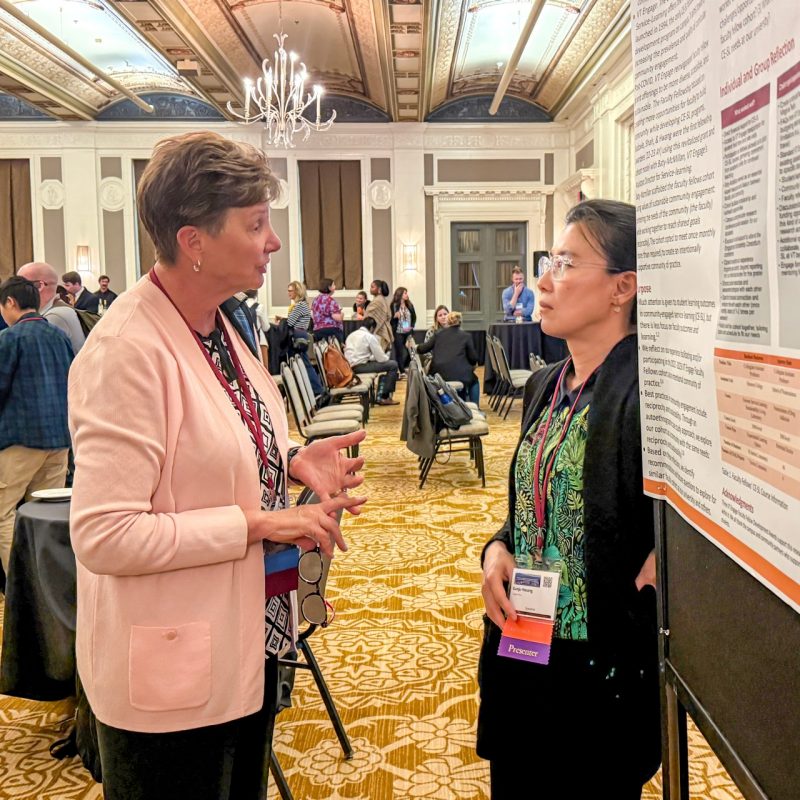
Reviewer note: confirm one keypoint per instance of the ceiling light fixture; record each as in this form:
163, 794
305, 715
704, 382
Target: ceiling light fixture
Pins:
279, 99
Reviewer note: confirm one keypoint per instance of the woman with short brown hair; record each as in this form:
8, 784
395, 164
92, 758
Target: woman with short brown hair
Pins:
186, 547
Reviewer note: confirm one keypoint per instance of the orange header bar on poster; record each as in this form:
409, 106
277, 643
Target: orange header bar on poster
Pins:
758, 358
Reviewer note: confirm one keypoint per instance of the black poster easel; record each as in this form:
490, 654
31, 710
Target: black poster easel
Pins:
730, 658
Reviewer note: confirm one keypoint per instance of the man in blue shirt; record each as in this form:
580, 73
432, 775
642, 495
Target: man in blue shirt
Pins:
517, 298
35, 358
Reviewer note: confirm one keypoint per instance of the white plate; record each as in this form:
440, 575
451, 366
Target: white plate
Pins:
52, 495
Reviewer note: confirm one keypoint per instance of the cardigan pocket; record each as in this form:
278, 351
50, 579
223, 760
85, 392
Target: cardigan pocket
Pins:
170, 668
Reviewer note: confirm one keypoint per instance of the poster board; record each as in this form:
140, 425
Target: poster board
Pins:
717, 125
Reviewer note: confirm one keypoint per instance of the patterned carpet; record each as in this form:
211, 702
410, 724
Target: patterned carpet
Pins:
400, 658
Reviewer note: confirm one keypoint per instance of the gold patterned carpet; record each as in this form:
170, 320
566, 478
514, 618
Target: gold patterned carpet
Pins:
400, 658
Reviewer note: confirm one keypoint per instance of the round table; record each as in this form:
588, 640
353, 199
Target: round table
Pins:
38, 657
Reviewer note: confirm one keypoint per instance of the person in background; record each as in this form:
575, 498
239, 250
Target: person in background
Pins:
297, 324
180, 506
404, 318
379, 311
105, 296
260, 323
518, 299
454, 357
364, 354
51, 307
82, 298
360, 305
439, 321
327, 313
34, 438
576, 507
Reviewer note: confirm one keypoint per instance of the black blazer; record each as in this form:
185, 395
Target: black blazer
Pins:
88, 301
619, 535
453, 354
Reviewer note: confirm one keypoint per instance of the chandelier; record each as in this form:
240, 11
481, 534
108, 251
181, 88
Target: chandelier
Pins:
278, 99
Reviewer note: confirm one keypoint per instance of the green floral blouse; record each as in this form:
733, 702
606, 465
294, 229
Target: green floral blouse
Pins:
563, 536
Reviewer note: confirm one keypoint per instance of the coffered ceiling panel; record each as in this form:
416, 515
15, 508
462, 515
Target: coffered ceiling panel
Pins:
394, 59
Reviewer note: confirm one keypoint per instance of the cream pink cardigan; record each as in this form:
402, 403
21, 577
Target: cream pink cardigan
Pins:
170, 631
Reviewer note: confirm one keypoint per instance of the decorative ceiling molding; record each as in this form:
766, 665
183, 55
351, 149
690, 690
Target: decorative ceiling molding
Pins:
381, 60
584, 42
448, 25
362, 22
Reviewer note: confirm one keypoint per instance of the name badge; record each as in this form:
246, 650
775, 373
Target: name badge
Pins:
534, 592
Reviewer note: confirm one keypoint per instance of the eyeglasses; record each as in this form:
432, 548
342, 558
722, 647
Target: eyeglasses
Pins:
314, 606
557, 266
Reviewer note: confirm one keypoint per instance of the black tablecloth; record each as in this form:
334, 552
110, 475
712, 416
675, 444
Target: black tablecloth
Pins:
519, 341
38, 658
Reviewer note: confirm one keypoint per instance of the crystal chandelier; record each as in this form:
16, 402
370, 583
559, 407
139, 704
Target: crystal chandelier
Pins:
279, 98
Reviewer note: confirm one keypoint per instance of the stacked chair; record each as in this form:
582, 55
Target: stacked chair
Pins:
315, 427
509, 383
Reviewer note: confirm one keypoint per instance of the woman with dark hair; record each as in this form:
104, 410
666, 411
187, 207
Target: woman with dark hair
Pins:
327, 313
577, 511
379, 311
403, 320
187, 548
454, 356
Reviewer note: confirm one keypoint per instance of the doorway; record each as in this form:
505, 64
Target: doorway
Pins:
483, 256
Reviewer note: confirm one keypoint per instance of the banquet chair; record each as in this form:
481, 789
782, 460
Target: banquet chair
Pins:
445, 438
312, 430
314, 412
310, 663
359, 392
513, 380
536, 362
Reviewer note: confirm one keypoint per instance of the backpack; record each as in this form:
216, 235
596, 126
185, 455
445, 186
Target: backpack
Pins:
453, 414
87, 319
338, 372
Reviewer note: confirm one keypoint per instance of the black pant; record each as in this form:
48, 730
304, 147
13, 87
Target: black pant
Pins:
400, 351
585, 725
388, 382
515, 779
324, 333
218, 762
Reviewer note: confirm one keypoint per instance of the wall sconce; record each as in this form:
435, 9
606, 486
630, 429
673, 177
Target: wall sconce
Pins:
409, 258
82, 262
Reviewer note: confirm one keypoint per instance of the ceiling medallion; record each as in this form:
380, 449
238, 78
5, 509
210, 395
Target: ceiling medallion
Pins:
278, 99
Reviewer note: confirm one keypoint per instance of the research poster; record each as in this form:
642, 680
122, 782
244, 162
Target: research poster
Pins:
717, 124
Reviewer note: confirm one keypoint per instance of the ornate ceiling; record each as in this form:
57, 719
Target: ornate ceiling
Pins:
391, 60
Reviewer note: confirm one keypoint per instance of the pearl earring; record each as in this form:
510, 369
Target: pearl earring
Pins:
617, 309
196, 266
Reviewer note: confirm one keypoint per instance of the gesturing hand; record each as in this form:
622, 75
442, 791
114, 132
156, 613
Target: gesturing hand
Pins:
324, 467
306, 525
498, 564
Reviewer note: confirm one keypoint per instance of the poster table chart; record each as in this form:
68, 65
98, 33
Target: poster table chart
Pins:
758, 397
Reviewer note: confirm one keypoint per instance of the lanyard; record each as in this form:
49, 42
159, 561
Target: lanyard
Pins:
252, 420
540, 493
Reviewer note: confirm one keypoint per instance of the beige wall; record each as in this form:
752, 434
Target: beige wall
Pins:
87, 170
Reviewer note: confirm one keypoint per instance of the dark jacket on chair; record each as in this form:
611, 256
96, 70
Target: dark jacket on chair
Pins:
453, 354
